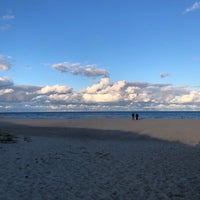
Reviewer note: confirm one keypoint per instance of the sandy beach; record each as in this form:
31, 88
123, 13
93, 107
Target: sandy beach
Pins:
100, 159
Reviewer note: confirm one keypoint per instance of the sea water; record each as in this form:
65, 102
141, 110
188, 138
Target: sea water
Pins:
113, 114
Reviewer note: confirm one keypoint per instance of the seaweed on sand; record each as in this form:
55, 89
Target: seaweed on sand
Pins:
7, 137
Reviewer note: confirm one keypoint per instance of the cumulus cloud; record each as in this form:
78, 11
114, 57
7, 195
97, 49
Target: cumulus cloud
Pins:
164, 75
102, 84
57, 99
100, 98
4, 65
19, 94
5, 81
104, 91
54, 89
6, 91
104, 95
192, 8
192, 96
78, 69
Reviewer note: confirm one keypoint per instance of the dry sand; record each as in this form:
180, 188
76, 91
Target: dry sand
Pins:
100, 159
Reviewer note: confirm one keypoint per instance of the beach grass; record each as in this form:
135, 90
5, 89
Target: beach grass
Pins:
7, 137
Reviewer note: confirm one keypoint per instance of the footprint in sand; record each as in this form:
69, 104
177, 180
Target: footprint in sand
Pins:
102, 154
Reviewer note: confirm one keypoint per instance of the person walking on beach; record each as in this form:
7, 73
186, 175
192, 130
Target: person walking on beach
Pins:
133, 115
137, 116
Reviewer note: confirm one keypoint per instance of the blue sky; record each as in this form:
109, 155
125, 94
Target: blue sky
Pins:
65, 55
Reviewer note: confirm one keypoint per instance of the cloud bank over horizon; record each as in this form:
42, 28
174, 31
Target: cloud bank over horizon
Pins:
104, 95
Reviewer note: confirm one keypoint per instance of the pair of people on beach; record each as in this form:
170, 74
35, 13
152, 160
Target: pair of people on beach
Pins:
135, 116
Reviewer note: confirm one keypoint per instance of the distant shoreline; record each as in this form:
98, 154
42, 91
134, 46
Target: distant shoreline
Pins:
103, 114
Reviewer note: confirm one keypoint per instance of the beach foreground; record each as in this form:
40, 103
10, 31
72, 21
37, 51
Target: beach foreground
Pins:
100, 159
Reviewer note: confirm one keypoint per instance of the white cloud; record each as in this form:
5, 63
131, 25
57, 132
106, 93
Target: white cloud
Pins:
100, 98
4, 65
8, 17
6, 20
192, 8
191, 97
54, 89
114, 87
78, 69
94, 88
16, 94
127, 92
6, 91
104, 95
5, 81
104, 91
64, 98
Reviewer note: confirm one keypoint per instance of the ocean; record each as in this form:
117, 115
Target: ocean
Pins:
113, 114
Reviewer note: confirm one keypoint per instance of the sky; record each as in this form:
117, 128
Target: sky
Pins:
99, 55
